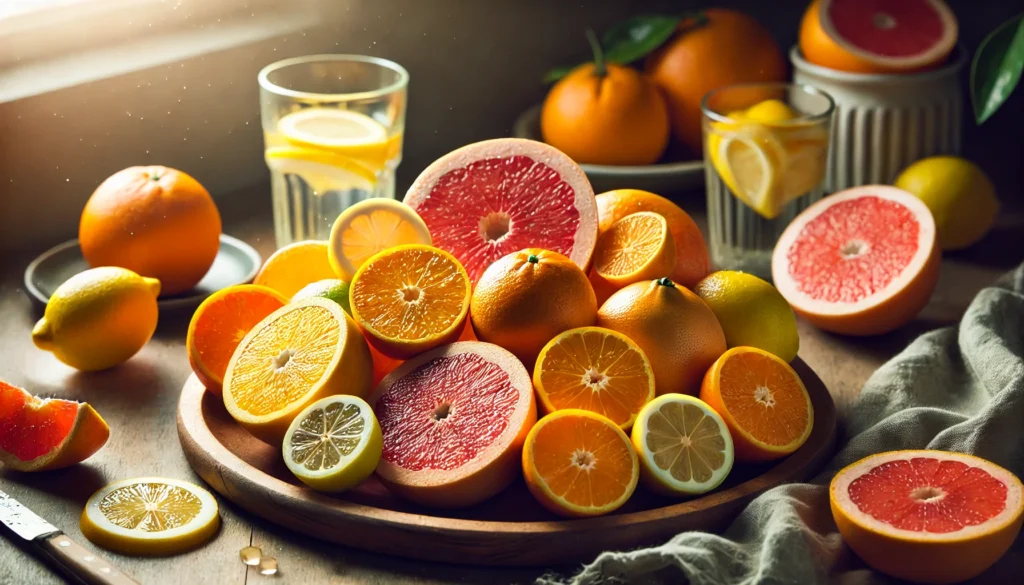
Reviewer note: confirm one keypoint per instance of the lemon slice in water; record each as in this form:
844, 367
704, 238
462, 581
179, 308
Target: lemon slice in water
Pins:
749, 161
343, 132
323, 171
150, 516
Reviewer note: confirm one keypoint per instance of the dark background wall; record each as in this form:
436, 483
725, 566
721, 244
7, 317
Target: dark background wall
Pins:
474, 66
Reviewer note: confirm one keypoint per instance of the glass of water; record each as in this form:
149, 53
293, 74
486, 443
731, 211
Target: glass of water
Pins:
766, 155
333, 128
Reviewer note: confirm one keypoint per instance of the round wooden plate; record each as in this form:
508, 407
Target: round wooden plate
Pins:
510, 529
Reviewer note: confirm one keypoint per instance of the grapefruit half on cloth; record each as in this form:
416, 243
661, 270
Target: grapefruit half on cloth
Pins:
454, 421
38, 434
489, 199
927, 516
863, 261
878, 36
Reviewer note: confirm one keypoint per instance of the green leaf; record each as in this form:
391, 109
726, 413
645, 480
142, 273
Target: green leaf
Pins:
558, 73
997, 67
635, 37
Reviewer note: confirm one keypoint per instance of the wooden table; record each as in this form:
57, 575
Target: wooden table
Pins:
139, 400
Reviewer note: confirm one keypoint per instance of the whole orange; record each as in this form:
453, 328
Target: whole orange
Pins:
692, 263
523, 300
730, 47
677, 331
156, 221
615, 118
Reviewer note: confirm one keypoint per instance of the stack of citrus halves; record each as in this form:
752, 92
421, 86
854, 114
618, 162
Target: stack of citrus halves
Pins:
425, 339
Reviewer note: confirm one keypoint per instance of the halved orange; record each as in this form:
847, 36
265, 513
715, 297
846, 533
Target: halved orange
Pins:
637, 247
220, 323
38, 434
299, 354
595, 369
294, 266
410, 299
763, 402
578, 463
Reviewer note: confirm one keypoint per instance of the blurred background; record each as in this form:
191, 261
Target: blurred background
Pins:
88, 87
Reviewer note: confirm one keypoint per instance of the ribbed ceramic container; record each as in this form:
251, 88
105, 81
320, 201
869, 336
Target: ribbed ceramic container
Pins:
883, 123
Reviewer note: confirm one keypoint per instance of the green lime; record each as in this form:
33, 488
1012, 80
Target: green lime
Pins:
331, 288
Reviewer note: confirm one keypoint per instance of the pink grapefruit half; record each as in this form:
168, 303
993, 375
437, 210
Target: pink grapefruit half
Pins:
927, 516
489, 199
454, 421
863, 261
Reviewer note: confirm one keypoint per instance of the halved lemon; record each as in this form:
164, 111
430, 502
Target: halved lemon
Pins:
343, 132
369, 227
150, 516
684, 446
334, 444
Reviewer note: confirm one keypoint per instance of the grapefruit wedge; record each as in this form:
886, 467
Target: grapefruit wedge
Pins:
863, 261
927, 516
878, 36
454, 421
39, 434
489, 199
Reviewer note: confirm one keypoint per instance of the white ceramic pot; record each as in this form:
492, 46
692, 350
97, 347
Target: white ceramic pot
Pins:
883, 123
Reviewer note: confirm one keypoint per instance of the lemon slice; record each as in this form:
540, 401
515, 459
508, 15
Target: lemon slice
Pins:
749, 162
369, 227
150, 516
323, 171
334, 444
342, 132
684, 446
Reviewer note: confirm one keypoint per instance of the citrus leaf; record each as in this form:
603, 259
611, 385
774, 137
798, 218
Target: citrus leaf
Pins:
635, 37
997, 67
558, 73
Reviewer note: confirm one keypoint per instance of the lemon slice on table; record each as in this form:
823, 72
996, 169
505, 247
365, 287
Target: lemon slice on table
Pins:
684, 446
369, 227
334, 444
150, 516
343, 132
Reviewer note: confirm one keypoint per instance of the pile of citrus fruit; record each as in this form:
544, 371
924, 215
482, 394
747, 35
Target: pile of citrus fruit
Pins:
502, 322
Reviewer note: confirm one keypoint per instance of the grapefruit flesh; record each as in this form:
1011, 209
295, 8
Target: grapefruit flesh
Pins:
496, 197
927, 516
861, 262
891, 36
454, 421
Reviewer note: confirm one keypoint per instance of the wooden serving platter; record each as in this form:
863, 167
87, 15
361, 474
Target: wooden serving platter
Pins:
510, 529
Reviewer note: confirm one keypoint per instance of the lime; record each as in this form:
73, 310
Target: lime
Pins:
329, 288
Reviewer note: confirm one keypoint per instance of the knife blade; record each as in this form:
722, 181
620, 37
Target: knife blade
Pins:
74, 560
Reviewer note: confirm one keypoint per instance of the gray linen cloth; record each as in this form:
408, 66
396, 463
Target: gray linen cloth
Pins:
959, 389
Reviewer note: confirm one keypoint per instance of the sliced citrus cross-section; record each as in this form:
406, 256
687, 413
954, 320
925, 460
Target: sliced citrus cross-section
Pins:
38, 434
220, 323
294, 266
150, 516
297, 355
684, 446
763, 402
409, 299
454, 421
595, 369
334, 444
341, 132
927, 516
369, 227
579, 463
637, 247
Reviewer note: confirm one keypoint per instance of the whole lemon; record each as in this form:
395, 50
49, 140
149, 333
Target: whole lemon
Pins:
959, 195
99, 318
751, 312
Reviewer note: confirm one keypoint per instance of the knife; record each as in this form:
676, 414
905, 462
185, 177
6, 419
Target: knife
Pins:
73, 559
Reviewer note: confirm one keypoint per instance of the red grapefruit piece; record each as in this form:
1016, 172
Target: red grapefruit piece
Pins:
454, 421
38, 434
489, 199
927, 516
878, 36
863, 261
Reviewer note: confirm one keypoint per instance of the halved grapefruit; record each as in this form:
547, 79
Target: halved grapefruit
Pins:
863, 261
39, 434
927, 516
454, 421
878, 36
489, 199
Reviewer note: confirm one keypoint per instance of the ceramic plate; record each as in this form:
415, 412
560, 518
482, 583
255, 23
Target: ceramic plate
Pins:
236, 263
662, 178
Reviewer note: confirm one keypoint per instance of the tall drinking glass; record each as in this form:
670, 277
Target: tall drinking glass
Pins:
766, 153
333, 127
